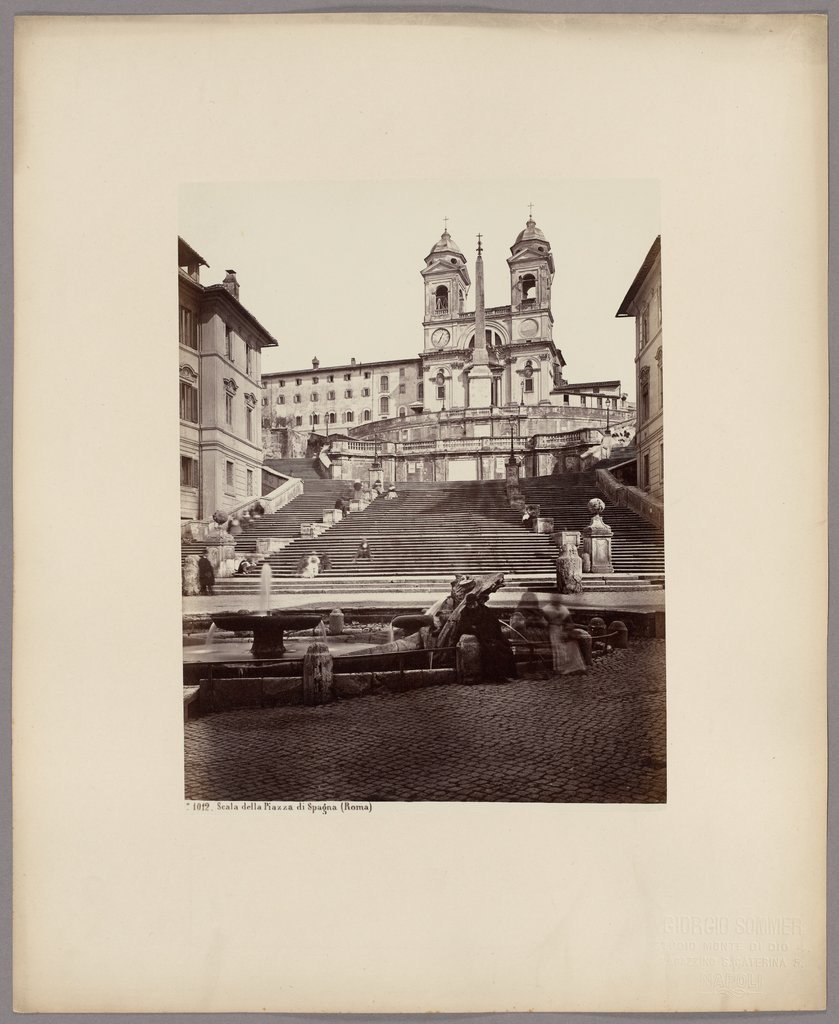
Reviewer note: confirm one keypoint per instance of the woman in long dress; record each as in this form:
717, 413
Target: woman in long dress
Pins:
567, 657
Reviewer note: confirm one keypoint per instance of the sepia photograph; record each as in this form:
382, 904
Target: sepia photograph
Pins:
421, 492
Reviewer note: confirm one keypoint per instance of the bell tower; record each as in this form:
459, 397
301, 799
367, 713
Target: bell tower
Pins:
531, 274
446, 287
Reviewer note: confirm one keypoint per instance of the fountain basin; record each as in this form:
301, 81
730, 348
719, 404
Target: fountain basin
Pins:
267, 629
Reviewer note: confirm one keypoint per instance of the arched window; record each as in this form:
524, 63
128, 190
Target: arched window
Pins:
528, 288
348, 416
313, 397
298, 421
314, 419
367, 415
403, 412
383, 382
384, 404
331, 418
420, 391
441, 299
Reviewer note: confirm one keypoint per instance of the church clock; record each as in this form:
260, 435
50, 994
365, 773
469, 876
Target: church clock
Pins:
440, 337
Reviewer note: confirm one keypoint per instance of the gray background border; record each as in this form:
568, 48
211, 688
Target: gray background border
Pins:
11, 8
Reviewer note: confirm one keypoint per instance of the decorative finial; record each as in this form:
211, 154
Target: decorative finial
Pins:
445, 225
480, 248
530, 207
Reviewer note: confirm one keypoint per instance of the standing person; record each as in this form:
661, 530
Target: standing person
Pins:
391, 494
568, 658
206, 574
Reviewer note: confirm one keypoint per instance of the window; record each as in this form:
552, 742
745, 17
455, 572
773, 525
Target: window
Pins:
384, 403
582, 399
330, 396
330, 378
314, 419
296, 399
249, 360
643, 326
228, 475
298, 381
367, 415
367, 374
348, 393
420, 391
331, 417
189, 471
528, 384
599, 402
228, 342
298, 421
566, 399
365, 392
646, 473
401, 371
348, 417
441, 299
189, 402
347, 376
249, 422
645, 401
596, 391
313, 397
403, 412
188, 328
441, 392
281, 383
249, 475
228, 409
401, 389
383, 382
280, 399
315, 380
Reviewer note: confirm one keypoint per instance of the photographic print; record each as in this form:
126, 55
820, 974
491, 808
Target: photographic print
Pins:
422, 483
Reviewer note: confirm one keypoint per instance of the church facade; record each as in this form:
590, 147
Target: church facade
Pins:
488, 382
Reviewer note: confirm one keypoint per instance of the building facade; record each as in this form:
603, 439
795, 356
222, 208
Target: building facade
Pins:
643, 302
510, 383
220, 389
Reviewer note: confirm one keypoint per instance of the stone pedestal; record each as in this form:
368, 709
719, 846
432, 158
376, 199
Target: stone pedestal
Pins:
355, 506
543, 524
597, 539
189, 576
328, 516
511, 474
221, 552
307, 529
566, 538
569, 571
317, 674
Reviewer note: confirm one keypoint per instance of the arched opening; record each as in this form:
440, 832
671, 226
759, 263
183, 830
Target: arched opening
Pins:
528, 288
493, 339
441, 299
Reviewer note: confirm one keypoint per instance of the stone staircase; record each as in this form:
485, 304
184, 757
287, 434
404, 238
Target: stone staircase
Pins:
304, 469
637, 547
434, 530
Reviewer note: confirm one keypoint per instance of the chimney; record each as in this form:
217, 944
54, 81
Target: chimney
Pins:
231, 284
315, 363
352, 361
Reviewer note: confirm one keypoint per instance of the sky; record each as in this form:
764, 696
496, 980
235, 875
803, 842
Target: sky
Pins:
332, 268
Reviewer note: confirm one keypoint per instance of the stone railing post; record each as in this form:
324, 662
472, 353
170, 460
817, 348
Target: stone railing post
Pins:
468, 660
317, 674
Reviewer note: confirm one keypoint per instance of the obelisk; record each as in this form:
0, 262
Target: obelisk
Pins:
480, 375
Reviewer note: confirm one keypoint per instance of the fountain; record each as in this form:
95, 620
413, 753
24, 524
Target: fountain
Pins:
266, 625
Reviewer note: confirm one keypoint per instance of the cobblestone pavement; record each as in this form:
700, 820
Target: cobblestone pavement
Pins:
595, 738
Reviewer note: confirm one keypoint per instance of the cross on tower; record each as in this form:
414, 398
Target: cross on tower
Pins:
480, 250
530, 207
445, 225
